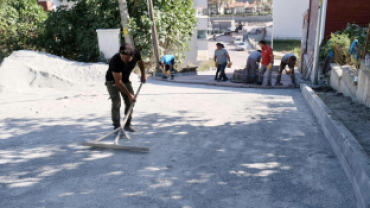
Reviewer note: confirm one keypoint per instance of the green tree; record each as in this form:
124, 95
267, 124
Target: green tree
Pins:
20, 23
71, 33
175, 22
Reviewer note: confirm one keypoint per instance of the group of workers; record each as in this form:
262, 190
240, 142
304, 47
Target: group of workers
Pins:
252, 72
122, 64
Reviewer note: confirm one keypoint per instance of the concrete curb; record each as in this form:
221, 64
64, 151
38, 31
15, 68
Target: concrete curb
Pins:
350, 153
225, 84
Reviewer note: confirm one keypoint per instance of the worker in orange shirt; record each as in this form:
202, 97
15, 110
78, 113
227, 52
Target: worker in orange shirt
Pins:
266, 63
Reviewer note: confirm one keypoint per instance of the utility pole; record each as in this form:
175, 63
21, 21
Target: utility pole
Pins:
124, 20
154, 37
273, 28
315, 67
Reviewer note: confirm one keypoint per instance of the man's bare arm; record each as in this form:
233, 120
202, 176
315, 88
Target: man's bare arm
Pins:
228, 57
272, 59
214, 58
121, 86
142, 70
142, 67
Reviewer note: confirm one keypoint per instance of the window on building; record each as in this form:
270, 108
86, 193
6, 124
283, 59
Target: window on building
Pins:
202, 34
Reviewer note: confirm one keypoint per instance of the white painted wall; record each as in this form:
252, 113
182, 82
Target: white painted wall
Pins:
202, 44
198, 47
202, 23
202, 50
200, 3
288, 18
192, 55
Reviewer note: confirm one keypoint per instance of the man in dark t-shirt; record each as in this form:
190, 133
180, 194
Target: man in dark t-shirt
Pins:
117, 81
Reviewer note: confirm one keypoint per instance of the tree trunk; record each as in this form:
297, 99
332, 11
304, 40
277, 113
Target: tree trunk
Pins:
124, 21
154, 37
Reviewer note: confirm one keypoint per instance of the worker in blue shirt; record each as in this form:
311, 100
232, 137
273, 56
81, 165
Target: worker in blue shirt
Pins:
167, 63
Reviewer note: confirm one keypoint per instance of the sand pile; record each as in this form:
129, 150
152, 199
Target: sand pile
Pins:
30, 69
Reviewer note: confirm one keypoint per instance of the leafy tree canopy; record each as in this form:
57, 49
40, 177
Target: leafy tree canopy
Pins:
20, 22
175, 23
72, 33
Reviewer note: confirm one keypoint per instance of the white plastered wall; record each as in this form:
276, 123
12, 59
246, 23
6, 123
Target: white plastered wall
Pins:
288, 18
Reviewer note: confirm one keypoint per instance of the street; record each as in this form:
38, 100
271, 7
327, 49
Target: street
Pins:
209, 147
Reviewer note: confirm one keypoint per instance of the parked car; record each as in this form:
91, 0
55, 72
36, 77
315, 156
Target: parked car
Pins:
241, 46
238, 39
229, 31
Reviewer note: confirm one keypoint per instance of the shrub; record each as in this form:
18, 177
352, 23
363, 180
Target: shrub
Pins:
21, 21
71, 33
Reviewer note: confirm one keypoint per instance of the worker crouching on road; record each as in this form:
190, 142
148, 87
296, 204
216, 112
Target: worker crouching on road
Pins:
117, 81
167, 63
251, 68
290, 60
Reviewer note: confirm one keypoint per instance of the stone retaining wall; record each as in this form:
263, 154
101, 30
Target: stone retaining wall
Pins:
350, 153
350, 84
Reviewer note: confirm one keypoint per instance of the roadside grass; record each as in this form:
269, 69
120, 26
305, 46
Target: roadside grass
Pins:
204, 66
287, 46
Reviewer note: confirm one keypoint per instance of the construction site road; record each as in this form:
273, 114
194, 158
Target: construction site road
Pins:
209, 147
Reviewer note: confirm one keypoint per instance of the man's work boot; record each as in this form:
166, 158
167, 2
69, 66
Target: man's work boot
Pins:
172, 77
292, 76
129, 127
278, 79
116, 127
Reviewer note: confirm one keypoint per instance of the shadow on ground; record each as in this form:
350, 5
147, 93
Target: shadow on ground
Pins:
275, 159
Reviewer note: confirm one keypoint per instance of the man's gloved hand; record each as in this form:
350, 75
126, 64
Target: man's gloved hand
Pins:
229, 64
287, 71
168, 73
164, 71
216, 64
270, 66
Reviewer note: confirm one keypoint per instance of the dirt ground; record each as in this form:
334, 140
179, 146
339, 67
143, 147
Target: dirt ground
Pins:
355, 116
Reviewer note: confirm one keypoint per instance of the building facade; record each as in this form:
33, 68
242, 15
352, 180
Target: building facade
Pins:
199, 42
288, 21
46, 4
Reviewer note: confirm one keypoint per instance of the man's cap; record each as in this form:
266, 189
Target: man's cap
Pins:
219, 44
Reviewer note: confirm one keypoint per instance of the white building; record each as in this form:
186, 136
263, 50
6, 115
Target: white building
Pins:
50, 5
288, 21
199, 42
58, 3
